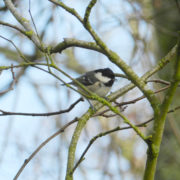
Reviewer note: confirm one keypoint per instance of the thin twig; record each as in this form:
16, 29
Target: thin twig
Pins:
11, 87
68, 9
64, 83
14, 27
159, 81
25, 23
33, 64
114, 130
141, 97
6, 113
41, 146
57, 77
104, 134
17, 49
127, 102
29, 10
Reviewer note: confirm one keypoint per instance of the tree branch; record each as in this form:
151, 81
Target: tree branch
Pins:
25, 23
41, 146
88, 10
70, 42
11, 85
128, 102
104, 134
158, 129
111, 131
6, 113
161, 63
17, 49
68, 9
14, 27
113, 57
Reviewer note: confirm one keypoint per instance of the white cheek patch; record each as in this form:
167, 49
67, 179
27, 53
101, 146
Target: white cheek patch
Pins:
101, 78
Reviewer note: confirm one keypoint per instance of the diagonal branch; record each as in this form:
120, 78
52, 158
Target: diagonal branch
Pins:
68, 9
25, 23
104, 134
11, 85
88, 10
111, 131
17, 49
6, 113
161, 64
41, 146
128, 102
114, 58
14, 27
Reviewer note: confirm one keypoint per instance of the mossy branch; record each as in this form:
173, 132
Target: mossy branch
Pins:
88, 10
100, 46
68, 9
122, 91
159, 122
25, 23
82, 122
113, 57
70, 42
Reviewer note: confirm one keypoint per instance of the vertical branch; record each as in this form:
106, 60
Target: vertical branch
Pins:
33, 19
72, 148
154, 145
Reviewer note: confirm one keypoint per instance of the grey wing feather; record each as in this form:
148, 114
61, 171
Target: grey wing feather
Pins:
86, 79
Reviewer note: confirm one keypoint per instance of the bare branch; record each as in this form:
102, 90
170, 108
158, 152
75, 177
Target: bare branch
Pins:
68, 85
111, 131
88, 10
14, 27
25, 23
141, 97
104, 134
68, 9
41, 146
6, 113
33, 19
34, 64
127, 102
70, 42
11, 87
159, 81
114, 58
17, 49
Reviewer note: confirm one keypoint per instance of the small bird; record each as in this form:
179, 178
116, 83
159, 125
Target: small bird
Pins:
98, 81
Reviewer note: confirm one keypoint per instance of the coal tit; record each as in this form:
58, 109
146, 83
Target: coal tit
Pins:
98, 81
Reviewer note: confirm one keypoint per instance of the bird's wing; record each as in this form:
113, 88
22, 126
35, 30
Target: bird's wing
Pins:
86, 79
